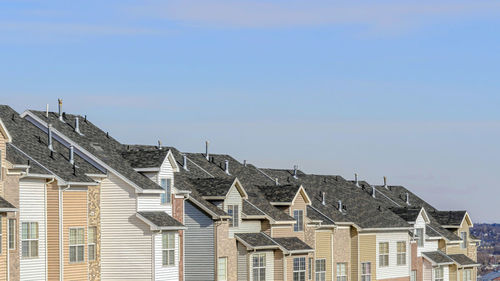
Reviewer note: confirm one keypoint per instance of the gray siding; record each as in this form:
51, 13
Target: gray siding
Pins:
242, 263
199, 245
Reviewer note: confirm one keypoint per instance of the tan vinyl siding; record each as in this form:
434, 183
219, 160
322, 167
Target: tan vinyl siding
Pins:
368, 251
53, 231
299, 204
74, 215
278, 265
354, 254
282, 231
3, 255
324, 250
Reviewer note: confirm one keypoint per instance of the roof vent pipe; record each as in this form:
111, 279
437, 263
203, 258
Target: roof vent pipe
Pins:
49, 134
385, 182
47, 111
60, 109
323, 198
77, 125
356, 179
295, 168
340, 205
71, 155
226, 166
244, 163
276, 181
159, 144
373, 192
206, 150
184, 162
407, 198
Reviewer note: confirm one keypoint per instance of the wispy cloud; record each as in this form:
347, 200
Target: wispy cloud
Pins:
261, 14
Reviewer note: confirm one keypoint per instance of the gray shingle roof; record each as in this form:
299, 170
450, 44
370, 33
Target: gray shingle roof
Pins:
4, 204
29, 143
431, 232
453, 218
315, 214
292, 244
161, 219
256, 240
280, 193
408, 214
100, 144
212, 186
463, 260
250, 210
438, 257
144, 156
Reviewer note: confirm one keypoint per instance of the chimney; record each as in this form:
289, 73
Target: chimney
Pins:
323, 198
159, 144
226, 166
47, 111
206, 150
385, 183
356, 179
77, 125
184, 162
295, 168
407, 198
276, 181
340, 205
49, 134
373, 192
60, 109
71, 155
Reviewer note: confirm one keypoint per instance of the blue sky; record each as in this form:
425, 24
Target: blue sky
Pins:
406, 89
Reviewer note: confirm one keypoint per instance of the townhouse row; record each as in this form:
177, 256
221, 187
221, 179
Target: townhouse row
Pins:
76, 204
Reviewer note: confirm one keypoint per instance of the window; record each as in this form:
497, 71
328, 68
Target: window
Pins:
299, 269
438, 274
233, 211
401, 258
29, 239
91, 240
341, 272
167, 196
320, 269
12, 233
168, 248
222, 269
366, 271
419, 236
463, 235
468, 275
76, 244
383, 254
413, 275
298, 215
0, 164
310, 269
259, 267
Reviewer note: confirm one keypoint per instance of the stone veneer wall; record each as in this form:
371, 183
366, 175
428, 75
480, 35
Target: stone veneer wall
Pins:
178, 214
94, 219
10, 192
226, 247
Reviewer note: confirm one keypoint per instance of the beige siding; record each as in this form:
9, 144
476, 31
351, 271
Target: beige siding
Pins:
53, 231
282, 231
453, 273
324, 250
125, 240
74, 215
278, 265
354, 254
3, 255
368, 252
299, 204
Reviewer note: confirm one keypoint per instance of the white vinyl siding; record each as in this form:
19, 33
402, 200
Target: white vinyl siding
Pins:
125, 240
166, 272
392, 270
234, 199
152, 202
32, 206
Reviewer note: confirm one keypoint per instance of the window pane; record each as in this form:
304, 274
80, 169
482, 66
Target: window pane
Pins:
12, 233
236, 221
164, 258
25, 230
34, 248
171, 241
171, 257
26, 248
72, 236
91, 252
81, 253
34, 230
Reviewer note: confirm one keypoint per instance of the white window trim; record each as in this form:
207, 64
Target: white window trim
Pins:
463, 235
168, 191
77, 245
380, 254
13, 234
435, 272
319, 273
29, 240
219, 277
342, 277
298, 227
92, 244
259, 267
420, 240
402, 254
165, 248
464, 274
235, 216
300, 269
363, 274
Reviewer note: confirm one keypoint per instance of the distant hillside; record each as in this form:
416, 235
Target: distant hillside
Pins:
488, 253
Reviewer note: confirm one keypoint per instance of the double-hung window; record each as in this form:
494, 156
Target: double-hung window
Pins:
166, 197
413, 275
91, 240
298, 215
76, 244
12, 234
419, 236
383, 254
233, 212
438, 274
259, 267
29, 239
366, 271
342, 271
401, 258
0, 164
222, 269
463, 235
468, 275
168, 248
299, 269
320, 269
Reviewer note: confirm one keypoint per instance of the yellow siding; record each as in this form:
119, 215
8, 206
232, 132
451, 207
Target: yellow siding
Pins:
299, 204
75, 215
354, 254
368, 251
453, 273
278, 265
283, 231
53, 231
455, 249
324, 250
3, 255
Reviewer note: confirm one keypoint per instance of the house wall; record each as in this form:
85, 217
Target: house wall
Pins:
278, 265
289, 265
393, 270
299, 204
53, 227
152, 202
354, 237
265, 227
74, 215
199, 245
94, 220
165, 272
342, 248
453, 273
226, 247
32, 206
324, 244
125, 240
10, 192
427, 270
281, 230
178, 214
242, 267
368, 252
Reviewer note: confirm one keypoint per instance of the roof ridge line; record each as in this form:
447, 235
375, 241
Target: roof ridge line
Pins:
199, 167
387, 197
38, 163
269, 177
321, 213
